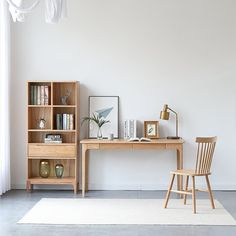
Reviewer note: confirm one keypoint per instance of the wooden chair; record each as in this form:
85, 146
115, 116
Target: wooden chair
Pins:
205, 151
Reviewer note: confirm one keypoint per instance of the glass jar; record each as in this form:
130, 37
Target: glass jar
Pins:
59, 169
44, 168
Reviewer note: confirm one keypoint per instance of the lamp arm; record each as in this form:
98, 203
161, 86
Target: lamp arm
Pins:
176, 119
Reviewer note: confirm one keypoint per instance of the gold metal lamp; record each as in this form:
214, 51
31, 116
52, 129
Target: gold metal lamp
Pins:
165, 116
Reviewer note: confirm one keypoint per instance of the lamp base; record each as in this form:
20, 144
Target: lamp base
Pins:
173, 137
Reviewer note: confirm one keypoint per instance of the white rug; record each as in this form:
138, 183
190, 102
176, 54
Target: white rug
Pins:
125, 211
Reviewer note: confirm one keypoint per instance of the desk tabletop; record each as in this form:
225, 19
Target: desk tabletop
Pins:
123, 141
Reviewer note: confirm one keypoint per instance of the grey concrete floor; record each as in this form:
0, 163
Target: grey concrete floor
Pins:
14, 204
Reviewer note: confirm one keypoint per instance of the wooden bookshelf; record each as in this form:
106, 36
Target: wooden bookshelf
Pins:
65, 153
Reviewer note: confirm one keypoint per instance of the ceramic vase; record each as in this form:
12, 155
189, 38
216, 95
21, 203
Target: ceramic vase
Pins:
59, 170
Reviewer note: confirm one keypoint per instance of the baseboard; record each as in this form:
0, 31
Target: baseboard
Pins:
94, 186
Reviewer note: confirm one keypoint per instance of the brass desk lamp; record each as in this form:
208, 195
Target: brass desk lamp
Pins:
165, 116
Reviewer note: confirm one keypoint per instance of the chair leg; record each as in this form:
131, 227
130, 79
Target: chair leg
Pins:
210, 192
169, 190
194, 195
186, 189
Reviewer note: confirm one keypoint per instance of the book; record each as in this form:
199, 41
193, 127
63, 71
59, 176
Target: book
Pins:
143, 139
46, 95
71, 122
53, 138
47, 140
64, 120
67, 121
42, 95
38, 95
130, 129
35, 95
31, 95
59, 121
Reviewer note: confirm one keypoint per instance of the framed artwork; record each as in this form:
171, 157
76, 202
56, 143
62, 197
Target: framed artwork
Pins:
107, 108
151, 129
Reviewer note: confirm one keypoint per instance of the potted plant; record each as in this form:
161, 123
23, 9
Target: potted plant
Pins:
99, 121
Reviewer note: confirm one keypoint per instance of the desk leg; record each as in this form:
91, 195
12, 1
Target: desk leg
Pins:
179, 167
87, 172
84, 152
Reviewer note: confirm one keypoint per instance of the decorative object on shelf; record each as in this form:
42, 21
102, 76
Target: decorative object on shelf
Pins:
130, 129
165, 115
99, 121
151, 129
59, 170
53, 138
42, 123
44, 168
106, 108
111, 137
65, 97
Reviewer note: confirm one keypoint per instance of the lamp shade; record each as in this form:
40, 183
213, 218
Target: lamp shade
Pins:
164, 115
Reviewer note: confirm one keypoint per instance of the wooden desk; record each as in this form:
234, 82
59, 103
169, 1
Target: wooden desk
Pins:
95, 144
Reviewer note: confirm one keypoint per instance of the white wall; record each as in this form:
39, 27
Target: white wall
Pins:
149, 52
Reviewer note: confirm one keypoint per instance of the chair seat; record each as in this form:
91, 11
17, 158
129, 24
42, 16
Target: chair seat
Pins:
188, 172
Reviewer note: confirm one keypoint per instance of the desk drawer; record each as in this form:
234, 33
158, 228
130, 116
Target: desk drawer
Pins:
149, 146
116, 146
51, 150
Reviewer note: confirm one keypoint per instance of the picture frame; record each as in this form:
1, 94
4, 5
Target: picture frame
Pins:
106, 107
151, 129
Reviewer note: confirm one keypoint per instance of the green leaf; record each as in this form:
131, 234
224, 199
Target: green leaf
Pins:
95, 118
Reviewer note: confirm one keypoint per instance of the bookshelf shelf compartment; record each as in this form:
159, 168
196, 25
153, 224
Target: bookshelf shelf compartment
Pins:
63, 89
69, 121
39, 93
69, 171
65, 153
37, 113
68, 137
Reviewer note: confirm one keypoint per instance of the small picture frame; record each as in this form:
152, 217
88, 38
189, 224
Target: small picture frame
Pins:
151, 129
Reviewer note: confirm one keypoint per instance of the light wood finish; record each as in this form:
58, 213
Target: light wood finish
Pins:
186, 189
168, 192
194, 194
65, 153
159, 144
36, 113
210, 192
60, 89
205, 151
48, 150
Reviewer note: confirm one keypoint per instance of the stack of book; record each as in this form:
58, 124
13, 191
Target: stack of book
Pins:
39, 95
53, 138
130, 129
65, 121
